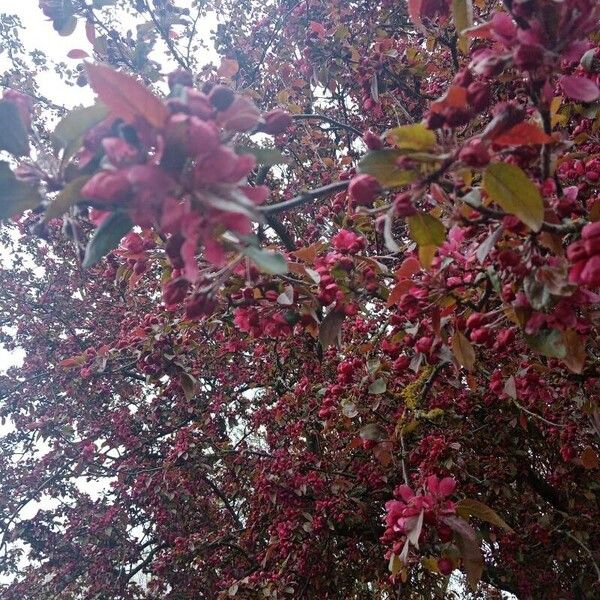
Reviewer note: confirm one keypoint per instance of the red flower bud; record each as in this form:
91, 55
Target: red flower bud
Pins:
108, 186
221, 97
276, 122
174, 292
180, 77
363, 189
475, 154
590, 275
372, 140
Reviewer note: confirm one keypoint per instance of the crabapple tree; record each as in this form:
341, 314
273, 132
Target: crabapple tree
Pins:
317, 318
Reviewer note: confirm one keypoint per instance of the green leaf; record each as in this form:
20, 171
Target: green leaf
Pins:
13, 133
381, 164
462, 15
15, 196
272, 263
426, 230
378, 386
264, 156
509, 186
107, 237
548, 342
69, 196
412, 137
70, 130
69, 27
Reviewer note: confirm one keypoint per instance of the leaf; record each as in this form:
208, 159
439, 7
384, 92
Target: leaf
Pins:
509, 187
13, 133
349, 409
68, 28
589, 458
70, 130
413, 527
412, 137
381, 164
469, 548
523, 134
510, 388
414, 11
462, 15
388, 236
575, 351
463, 350
15, 196
487, 245
473, 508
410, 266
272, 263
125, 96
308, 254
455, 97
106, 237
264, 156
69, 196
426, 230
188, 385
229, 67
286, 298
395, 565
378, 386
547, 342
331, 328
400, 289
578, 88
77, 53
373, 432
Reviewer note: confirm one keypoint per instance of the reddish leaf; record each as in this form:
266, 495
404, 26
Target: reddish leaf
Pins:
579, 88
589, 458
455, 97
229, 67
398, 291
575, 356
318, 28
331, 328
90, 32
523, 134
463, 351
125, 96
76, 53
409, 267
414, 11
483, 31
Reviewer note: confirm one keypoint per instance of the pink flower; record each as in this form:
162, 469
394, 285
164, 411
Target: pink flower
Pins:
347, 242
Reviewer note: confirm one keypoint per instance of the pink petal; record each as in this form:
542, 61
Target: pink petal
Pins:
447, 486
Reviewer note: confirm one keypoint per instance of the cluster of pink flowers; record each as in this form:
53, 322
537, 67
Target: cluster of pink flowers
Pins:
584, 255
409, 511
184, 179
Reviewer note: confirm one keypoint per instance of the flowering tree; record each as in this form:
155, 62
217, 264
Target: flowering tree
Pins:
317, 321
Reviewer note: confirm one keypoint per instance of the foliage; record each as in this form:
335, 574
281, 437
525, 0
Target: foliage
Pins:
318, 322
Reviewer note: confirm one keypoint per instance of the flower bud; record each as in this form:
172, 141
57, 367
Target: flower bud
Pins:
221, 97
276, 122
363, 189
372, 140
